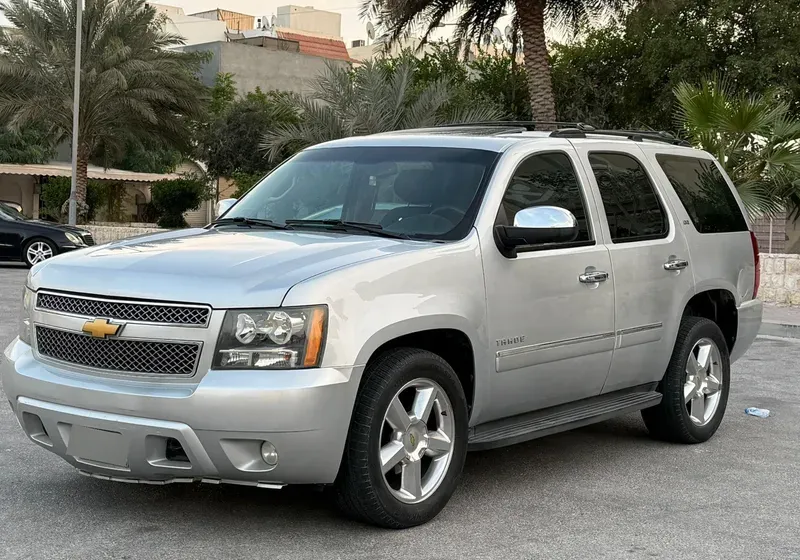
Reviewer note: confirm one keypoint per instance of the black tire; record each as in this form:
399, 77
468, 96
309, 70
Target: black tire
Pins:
360, 489
27, 246
669, 420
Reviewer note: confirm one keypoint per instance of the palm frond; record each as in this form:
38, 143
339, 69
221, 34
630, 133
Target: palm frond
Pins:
129, 83
372, 99
754, 137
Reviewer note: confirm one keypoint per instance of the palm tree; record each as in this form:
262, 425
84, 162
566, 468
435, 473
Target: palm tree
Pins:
132, 86
370, 99
477, 19
754, 137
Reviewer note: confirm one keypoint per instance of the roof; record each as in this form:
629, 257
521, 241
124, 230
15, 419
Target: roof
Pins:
498, 137
312, 45
59, 169
490, 143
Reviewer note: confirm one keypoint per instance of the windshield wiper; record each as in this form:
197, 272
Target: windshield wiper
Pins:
249, 222
340, 225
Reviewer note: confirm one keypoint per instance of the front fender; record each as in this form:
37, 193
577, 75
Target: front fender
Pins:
374, 302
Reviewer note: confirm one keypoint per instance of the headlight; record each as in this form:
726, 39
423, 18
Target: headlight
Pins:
25, 327
272, 338
74, 238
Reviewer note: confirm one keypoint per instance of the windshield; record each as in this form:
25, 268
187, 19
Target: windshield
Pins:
9, 213
425, 193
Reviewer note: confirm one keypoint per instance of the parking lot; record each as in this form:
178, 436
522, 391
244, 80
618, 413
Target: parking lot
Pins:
606, 491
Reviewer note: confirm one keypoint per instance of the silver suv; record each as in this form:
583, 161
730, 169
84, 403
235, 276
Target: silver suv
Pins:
378, 306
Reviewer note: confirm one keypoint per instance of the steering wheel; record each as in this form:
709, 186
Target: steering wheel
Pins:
449, 213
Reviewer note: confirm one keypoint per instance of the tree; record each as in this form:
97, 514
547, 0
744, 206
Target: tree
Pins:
624, 74
492, 79
367, 100
230, 145
131, 84
753, 136
30, 145
174, 197
478, 18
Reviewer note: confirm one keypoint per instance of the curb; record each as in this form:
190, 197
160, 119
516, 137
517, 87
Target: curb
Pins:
780, 330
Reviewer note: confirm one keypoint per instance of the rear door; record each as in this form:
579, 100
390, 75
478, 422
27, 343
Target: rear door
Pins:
650, 261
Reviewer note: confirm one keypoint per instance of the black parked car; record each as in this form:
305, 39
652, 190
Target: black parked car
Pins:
33, 241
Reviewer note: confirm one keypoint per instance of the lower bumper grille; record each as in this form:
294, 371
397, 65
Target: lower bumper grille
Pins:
119, 355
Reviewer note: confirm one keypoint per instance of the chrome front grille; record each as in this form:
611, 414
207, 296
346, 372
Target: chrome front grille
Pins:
163, 314
118, 355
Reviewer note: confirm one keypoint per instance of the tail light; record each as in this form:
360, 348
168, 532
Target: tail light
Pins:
757, 262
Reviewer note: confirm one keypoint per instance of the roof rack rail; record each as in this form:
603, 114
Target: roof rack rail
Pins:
642, 135
527, 125
635, 135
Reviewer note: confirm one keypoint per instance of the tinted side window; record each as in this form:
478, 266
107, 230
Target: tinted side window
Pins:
704, 193
632, 207
545, 180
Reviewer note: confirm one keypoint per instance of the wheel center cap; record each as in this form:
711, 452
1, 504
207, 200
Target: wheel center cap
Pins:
415, 440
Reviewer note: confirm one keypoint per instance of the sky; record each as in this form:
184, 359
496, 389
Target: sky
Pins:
352, 26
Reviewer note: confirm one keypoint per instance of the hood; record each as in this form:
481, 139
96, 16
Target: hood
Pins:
55, 226
222, 268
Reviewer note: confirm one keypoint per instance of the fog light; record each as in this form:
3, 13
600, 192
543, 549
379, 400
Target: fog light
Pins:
269, 454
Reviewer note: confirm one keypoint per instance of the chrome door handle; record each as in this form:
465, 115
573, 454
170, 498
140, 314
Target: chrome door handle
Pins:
676, 264
593, 277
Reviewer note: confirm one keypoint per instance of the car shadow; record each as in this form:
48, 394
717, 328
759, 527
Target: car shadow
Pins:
243, 510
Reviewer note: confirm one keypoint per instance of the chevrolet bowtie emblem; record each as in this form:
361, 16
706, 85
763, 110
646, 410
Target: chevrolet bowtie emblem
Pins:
101, 328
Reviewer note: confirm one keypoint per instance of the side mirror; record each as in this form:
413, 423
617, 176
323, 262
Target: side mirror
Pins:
224, 205
538, 225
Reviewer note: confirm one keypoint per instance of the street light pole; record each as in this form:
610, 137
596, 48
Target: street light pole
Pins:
76, 103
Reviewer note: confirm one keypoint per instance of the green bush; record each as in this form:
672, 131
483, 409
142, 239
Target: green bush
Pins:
55, 192
173, 197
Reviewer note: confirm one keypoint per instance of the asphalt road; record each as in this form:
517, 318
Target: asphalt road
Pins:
606, 491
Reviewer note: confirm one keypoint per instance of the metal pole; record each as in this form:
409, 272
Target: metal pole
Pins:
76, 104
770, 235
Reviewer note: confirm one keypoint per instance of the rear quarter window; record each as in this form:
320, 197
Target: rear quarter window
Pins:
704, 193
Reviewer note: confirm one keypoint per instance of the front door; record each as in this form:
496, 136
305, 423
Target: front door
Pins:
649, 260
550, 309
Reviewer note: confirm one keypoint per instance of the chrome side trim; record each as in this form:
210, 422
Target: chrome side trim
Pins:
554, 344
641, 328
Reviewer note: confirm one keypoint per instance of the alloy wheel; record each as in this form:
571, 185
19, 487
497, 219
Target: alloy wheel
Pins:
702, 389
416, 445
39, 251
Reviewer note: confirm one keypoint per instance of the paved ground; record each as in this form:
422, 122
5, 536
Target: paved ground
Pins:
606, 491
782, 314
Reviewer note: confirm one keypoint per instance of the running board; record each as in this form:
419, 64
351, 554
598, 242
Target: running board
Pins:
516, 429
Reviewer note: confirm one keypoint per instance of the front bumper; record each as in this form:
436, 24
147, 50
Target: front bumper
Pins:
121, 428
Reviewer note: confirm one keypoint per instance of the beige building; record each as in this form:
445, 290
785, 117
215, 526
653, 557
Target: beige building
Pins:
194, 30
235, 21
310, 20
22, 184
361, 52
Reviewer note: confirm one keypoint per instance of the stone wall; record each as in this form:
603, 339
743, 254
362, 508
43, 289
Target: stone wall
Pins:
106, 233
780, 279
